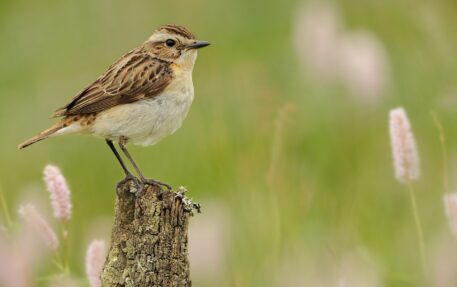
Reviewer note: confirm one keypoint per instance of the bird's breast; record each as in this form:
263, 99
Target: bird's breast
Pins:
146, 121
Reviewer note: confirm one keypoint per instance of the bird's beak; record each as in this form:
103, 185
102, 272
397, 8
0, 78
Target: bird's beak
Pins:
198, 45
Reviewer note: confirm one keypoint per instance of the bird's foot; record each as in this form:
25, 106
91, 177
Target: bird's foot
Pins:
135, 182
156, 183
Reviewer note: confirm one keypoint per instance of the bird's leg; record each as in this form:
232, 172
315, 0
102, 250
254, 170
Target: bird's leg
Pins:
128, 174
145, 180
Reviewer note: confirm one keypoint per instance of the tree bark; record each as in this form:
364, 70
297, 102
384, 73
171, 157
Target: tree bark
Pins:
149, 238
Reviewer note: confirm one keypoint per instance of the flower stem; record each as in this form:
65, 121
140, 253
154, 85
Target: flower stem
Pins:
58, 262
442, 138
420, 234
65, 250
6, 212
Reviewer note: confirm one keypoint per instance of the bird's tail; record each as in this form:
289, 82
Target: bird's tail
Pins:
43, 135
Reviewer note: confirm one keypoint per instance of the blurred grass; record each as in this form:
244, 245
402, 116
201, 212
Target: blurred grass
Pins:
332, 187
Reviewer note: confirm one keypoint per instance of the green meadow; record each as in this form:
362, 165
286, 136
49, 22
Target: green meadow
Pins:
294, 172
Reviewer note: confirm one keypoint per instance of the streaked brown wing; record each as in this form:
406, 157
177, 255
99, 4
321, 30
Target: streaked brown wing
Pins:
135, 76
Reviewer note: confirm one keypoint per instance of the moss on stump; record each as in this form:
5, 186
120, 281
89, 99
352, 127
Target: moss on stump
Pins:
149, 238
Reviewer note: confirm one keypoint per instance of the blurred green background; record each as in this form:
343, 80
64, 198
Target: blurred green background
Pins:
299, 172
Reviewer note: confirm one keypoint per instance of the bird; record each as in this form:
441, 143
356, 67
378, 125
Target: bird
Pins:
142, 97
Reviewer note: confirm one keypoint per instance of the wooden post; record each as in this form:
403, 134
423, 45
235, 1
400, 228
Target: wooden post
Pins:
149, 238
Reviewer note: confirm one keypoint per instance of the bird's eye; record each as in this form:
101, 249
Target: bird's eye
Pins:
170, 42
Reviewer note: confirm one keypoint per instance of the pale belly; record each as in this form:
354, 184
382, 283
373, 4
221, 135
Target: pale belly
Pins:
147, 121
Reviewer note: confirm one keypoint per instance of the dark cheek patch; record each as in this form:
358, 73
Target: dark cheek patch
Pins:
166, 52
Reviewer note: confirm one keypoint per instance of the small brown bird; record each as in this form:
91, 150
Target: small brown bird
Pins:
142, 97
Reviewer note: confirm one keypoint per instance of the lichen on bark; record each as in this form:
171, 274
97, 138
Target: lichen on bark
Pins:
149, 238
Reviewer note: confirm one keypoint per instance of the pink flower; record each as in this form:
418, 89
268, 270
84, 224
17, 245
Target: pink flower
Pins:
363, 65
95, 258
316, 38
59, 192
13, 271
334, 54
450, 206
404, 149
34, 219
21, 255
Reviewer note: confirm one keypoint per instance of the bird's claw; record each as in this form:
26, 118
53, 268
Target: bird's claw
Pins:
157, 183
135, 181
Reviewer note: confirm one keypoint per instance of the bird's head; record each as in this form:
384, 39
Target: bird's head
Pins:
175, 43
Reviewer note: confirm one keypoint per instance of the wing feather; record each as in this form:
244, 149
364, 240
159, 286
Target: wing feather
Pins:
135, 76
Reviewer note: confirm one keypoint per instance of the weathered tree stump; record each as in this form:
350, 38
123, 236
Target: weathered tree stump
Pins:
149, 238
